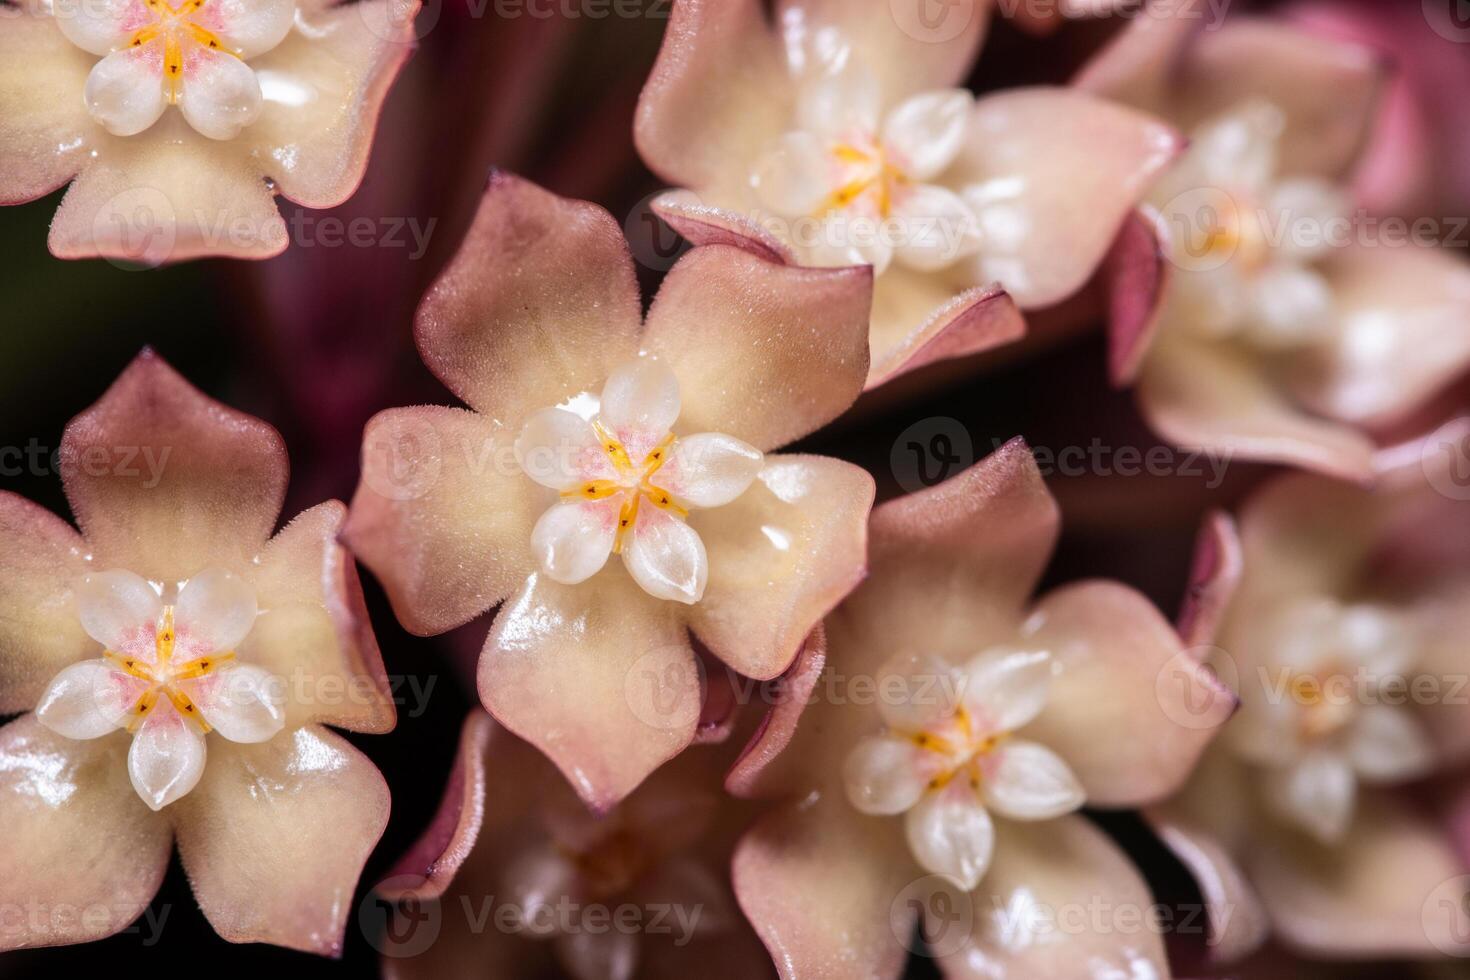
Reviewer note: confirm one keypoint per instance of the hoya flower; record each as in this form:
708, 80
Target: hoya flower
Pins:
178, 663
954, 730
595, 433
837, 135
180, 120
524, 881
1338, 615
1260, 311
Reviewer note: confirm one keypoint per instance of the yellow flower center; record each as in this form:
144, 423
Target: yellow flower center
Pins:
635, 481
163, 675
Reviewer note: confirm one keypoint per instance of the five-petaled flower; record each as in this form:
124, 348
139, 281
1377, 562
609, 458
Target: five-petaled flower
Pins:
836, 136
997, 720
273, 97
181, 662
594, 430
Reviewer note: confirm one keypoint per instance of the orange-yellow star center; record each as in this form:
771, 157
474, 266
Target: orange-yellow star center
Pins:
634, 481
162, 675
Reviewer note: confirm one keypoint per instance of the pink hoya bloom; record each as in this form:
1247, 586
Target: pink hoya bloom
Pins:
524, 881
836, 136
179, 663
1338, 614
1259, 310
180, 120
954, 730
613, 485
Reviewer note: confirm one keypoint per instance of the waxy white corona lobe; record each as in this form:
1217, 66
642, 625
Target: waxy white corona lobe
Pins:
168, 674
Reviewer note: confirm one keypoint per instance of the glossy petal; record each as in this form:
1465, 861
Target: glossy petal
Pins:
709, 469
1030, 782
917, 319
780, 557
250, 28
636, 700
950, 833
559, 449
244, 703
202, 489
919, 693
1316, 794
125, 92
102, 27
301, 813
1004, 688
706, 224
744, 335
791, 175
220, 95
574, 538
927, 131
666, 557
640, 402
939, 229
44, 127
54, 795
539, 305
166, 758
1130, 710
884, 775
89, 700
1388, 744
1045, 223
443, 515
214, 612
838, 102
120, 611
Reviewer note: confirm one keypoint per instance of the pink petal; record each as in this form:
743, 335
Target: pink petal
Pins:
717, 93
956, 562
1371, 895
55, 796
1130, 710
539, 304
303, 840
705, 224
1046, 218
747, 338
301, 567
599, 676
911, 49
819, 884
1237, 922
324, 88
44, 127
167, 195
443, 514
918, 320
165, 481
1054, 866
39, 629
765, 768
1138, 65
780, 557
1205, 395
1213, 576
1135, 275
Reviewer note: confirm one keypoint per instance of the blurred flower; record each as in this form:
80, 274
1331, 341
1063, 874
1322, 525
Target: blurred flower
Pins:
835, 137
1338, 614
1059, 703
643, 890
202, 621
522, 500
273, 97
1261, 312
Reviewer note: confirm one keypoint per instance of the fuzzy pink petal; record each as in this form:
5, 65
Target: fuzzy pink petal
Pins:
168, 195
1209, 396
309, 581
1135, 275
275, 835
918, 320
324, 87
764, 768
956, 563
165, 481
1058, 865
705, 224
431, 864
763, 352
1047, 218
909, 47
1213, 576
443, 515
1130, 710
44, 127
39, 629
1369, 896
818, 883
77, 837
539, 304
781, 556
717, 93
1403, 316
599, 676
